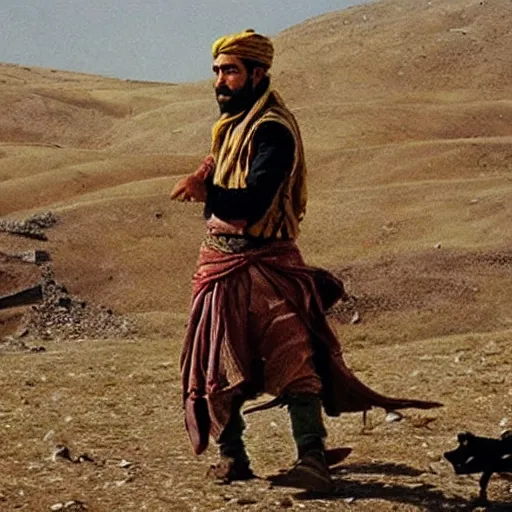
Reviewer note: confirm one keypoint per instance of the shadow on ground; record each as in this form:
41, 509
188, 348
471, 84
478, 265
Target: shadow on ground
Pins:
424, 496
388, 468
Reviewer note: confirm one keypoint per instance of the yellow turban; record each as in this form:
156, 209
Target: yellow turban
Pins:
246, 45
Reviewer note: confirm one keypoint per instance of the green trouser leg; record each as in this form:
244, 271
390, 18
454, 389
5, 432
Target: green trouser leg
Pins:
307, 425
231, 442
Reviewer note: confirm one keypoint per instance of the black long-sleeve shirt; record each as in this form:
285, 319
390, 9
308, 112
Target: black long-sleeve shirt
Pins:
272, 162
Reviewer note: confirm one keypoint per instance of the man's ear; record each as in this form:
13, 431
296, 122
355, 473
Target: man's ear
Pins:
258, 74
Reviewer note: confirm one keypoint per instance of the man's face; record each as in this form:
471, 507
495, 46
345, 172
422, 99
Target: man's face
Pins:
233, 85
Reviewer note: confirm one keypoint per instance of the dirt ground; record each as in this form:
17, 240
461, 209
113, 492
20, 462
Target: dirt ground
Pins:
117, 403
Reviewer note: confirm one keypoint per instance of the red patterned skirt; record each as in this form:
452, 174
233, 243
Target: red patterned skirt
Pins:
257, 325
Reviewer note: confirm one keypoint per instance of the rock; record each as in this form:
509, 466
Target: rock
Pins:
61, 451
85, 457
423, 422
246, 500
62, 316
356, 318
35, 256
438, 245
435, 468
10, 344
125, 464
503, 422
462, 31
31, 227
57, 506
286, 502
49, 435
393, 416
75, 506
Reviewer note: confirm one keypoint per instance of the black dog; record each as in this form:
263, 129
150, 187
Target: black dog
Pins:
482, 455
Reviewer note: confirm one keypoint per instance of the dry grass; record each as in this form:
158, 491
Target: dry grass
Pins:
406, 116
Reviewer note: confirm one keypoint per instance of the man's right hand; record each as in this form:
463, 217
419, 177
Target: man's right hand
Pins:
192, 188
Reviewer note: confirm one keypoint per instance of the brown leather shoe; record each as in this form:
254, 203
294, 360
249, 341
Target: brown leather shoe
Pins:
229, 470
310, 473
333, 456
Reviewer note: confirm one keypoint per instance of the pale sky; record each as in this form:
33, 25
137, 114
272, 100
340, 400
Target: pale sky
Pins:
162, 40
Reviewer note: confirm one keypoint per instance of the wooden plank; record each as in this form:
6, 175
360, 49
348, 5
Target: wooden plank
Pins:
22, 298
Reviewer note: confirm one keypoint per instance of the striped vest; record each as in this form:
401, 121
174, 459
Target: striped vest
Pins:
233, 151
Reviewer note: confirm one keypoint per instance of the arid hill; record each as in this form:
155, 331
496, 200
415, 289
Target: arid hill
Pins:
406, 116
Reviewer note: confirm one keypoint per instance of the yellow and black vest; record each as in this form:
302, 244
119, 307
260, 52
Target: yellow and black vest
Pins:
233, 151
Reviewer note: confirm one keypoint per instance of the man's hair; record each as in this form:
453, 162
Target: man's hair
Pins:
251, 65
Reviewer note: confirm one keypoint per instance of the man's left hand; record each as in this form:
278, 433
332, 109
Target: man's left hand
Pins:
191, 188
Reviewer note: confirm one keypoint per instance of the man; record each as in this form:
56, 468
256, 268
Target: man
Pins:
257, 322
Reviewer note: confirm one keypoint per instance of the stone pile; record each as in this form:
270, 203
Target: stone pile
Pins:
62, 316
32, 227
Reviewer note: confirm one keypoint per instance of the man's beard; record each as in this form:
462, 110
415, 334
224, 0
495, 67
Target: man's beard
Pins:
239, 100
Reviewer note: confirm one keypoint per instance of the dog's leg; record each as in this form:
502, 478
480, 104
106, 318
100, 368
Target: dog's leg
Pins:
484, 482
